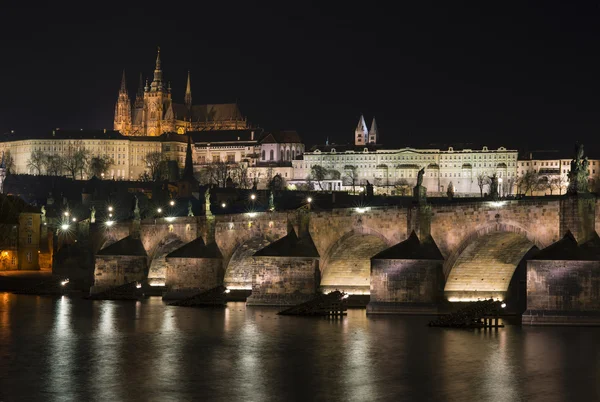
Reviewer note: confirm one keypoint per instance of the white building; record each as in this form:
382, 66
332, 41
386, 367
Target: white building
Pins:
390, 168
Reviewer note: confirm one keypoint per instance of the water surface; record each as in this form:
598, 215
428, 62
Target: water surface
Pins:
69, 349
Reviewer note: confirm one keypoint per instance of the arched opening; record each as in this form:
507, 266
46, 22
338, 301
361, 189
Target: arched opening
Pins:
239, 272
491, 265
157, 271
347, 266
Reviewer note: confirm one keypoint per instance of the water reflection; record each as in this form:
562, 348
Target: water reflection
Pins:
72, 349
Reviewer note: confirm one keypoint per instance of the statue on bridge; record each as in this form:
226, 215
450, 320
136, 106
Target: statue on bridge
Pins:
190, 213
271, 201
494, 187
136, 209
420, 175
92, 214
578, 175
207, 202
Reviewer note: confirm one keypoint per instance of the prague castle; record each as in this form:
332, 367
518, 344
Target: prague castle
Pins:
154, 112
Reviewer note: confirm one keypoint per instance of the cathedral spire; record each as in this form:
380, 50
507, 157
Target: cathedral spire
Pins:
123, 85
361, 132
373, 133
139, 96
157, 84
188, 92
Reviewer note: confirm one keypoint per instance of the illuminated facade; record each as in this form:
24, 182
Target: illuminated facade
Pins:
387, 168
154, 112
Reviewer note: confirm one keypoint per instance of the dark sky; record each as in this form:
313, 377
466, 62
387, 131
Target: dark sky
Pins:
488, 72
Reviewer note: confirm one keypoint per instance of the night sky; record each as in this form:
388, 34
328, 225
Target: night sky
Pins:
487, 72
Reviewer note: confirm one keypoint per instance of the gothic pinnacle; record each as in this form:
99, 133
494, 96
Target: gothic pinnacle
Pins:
123, 85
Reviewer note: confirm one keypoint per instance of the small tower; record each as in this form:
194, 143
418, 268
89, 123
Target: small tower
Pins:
122, 120
361, 132
373, 133
188, 93
155, 98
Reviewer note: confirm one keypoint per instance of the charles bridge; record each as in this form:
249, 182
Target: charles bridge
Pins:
409, 258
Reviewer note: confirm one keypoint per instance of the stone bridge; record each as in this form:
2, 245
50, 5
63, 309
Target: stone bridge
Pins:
481, 242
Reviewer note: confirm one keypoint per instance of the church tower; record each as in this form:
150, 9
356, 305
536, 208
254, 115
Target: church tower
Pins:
155, 98
122, 121
188, 94
373, 133
361, 133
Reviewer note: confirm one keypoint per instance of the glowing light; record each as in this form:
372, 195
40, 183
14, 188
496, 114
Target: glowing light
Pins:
157, 284
497, 204
110, 215
138, 285
309, 200
171, 203
361, 210
345, 296
74, 219
66, 213
170, 218
251, 214
63, 283
227, 290
253, 197
503, 305
109, 223
159, 210
223, 205
64, 226
45, 223
110, 208
5, 253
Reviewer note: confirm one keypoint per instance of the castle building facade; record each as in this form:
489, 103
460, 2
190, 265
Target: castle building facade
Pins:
154, 112
367, 161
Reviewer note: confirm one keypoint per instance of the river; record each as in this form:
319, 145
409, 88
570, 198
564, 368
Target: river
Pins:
70, 349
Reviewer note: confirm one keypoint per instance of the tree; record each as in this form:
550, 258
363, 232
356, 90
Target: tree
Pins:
560, 183
53, 165
351, 176
9, 162
402, 187
145, 176
482, 180
153, 162
277, 183
334, 174
318, 174
36, 161
508, 186
529, 182
76, 160
99, 165
239, 175
450, 191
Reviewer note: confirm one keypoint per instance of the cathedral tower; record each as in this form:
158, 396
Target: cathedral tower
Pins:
155, 98
373, 133
361, 132
122, 121
188, 93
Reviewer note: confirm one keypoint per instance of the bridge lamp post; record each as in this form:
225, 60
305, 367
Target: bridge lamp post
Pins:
223, 205
110, 209
66, 214
253, 197
172, 203
74, 219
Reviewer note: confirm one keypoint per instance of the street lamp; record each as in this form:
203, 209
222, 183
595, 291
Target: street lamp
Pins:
74, 219
66, 213
159, 210
309, 200
110, 208
223, 205
171, 203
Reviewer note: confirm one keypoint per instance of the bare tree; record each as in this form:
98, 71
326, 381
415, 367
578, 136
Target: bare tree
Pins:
36, 161
351, 176
450, 191
529, 182
318, 174
153, 161
482, 180
75, 160
9, 162
239, 175
53, 165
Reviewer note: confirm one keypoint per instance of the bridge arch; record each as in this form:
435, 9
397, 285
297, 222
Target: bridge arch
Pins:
240, 267
157, 265
484, 263
346, 265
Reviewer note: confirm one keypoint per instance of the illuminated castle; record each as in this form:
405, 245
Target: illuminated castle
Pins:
154, 112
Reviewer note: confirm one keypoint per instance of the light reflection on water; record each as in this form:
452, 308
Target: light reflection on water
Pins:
72, 349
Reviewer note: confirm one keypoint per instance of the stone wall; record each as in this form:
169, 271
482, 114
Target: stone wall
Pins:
284, 280
578, 215
562, 292
405, 286
189, 276
118, 270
